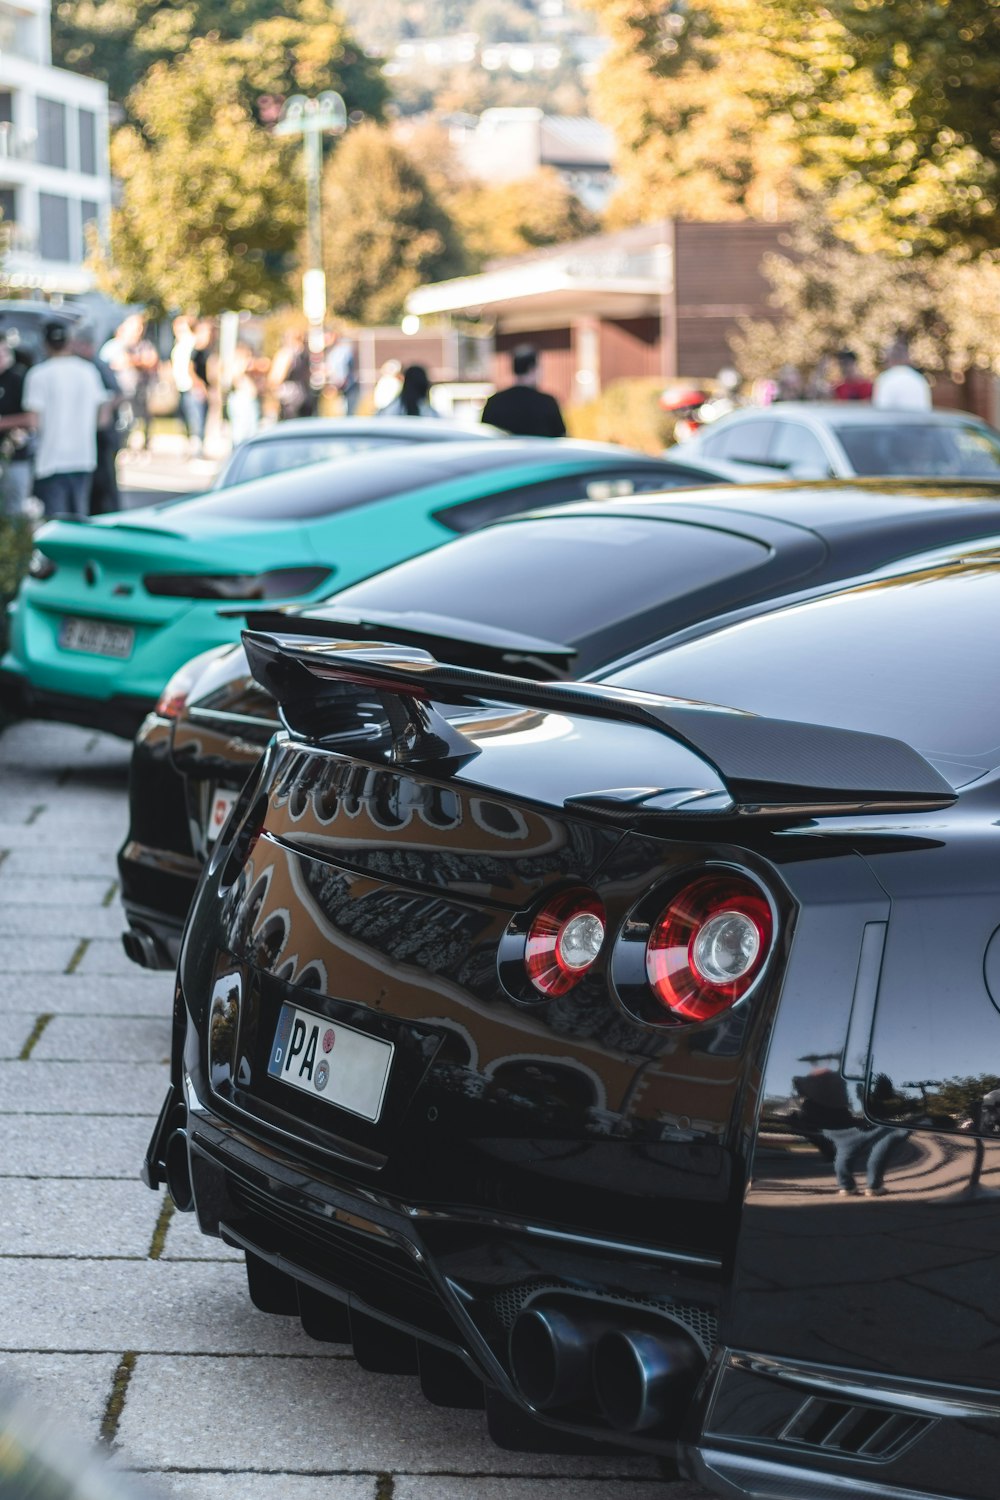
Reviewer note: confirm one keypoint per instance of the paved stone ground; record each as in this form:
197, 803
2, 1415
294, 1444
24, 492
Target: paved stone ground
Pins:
118, 1316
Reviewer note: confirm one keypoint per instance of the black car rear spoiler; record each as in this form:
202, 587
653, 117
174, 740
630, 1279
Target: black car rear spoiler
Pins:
388, 696
466, 642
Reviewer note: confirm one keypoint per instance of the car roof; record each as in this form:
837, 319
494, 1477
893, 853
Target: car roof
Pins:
853, 413
417, 429
821, 506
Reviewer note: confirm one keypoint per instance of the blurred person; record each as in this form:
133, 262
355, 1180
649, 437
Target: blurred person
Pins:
200, 396
414, 395
243, 401
290, 378
133, 357
104, 494
65, 401
388, 384
522, 409
16, 440
819, 386
900, 387
180, 366
341, 369
789, 385
852, 385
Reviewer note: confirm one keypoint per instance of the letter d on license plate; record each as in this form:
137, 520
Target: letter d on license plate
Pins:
331, 1062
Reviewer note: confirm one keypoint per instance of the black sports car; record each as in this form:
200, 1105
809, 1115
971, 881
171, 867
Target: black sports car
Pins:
543, 596
620, 1053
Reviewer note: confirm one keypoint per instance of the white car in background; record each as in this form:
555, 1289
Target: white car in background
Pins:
844, 440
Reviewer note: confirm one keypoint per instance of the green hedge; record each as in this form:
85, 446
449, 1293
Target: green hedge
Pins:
627, 412
15, 552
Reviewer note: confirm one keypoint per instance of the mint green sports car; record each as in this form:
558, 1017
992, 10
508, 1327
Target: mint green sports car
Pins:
112, 607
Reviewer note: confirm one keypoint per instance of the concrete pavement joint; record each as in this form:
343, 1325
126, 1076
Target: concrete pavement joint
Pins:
162, 1225
110, 894
35, 814
116, 1401
384, 1487
35, 1035
3, 855
79, 953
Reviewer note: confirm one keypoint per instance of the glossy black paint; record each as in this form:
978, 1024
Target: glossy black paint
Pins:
811, 535
668, 1182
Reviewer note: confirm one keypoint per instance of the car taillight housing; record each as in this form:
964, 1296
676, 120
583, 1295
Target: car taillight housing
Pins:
276, 583
708, 947
564, 941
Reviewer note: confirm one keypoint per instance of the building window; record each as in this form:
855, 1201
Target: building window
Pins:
53, 227
89, 215
88, 142
6, 107
51, 118
8, 206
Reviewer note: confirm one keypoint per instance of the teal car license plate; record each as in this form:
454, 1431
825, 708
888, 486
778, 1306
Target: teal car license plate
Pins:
97, 637
331, 1062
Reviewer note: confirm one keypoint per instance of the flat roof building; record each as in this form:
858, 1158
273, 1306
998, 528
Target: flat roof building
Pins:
54, 174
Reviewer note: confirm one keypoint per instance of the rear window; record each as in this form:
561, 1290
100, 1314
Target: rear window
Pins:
907, 657
741, 442
324, 489
277, 455
562, 580
961, 450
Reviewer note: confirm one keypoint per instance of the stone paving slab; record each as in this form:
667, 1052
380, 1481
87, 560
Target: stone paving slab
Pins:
77, 890
26, 956
15, 1033
185, 1241
63, 921
46, 1088
143, 992
105, 1039
106, 956
437, 1487
245, 1486
16, 833
67, 1146
72, 1388
183, 1307
79, 1219
81, 860
322, 1415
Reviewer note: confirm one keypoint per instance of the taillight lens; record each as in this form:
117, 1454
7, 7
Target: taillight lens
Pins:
564, 941
709, 946
173, 700
278, 583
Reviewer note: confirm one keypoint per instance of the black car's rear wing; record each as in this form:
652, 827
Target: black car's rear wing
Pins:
388, 699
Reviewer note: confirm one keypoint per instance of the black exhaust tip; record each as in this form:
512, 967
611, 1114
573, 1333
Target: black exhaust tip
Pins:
550, 1356
177, 1171
645, 1379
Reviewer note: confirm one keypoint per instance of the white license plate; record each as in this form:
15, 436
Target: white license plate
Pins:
97, 637
331, 1062
222, 803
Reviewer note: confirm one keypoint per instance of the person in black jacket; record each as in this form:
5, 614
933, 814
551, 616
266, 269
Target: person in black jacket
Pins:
522, 408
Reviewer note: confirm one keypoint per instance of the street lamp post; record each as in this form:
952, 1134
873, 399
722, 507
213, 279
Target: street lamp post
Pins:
312, 119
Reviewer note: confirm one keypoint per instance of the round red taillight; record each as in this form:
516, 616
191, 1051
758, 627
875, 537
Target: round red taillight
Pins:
709, 946
564, 941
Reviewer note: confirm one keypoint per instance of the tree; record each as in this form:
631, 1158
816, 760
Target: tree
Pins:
384, 229
694, 137
119, 41
509, 218
827, 295
212, 203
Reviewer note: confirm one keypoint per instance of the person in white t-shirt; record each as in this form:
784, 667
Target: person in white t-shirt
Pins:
64, 401
900, 387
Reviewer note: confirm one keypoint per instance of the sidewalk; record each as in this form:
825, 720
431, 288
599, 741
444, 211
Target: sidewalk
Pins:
121, 1318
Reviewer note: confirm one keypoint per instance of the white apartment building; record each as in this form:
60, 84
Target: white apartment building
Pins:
54, 173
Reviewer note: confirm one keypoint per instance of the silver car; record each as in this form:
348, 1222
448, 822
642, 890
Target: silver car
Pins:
846, 439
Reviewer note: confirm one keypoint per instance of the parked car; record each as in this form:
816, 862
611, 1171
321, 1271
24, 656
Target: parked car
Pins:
112, 607
23, 322
619, 1054
842, 439
310, 440
552, 595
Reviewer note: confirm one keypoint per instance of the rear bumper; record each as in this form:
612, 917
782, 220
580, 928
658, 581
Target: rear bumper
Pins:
120, 715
